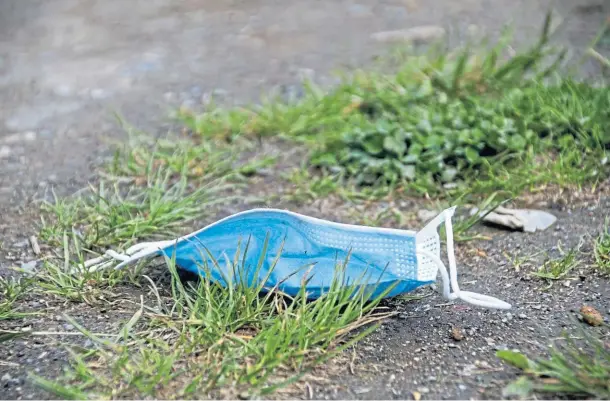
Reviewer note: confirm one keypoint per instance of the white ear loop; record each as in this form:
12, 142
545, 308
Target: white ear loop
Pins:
136, 252
450, 280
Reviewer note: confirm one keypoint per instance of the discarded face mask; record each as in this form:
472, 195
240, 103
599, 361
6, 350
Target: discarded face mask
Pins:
388, 260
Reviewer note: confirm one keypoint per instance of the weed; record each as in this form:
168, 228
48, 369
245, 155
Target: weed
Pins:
11, 290
602, 249
443, 125
119, 213
555, 269
572, 370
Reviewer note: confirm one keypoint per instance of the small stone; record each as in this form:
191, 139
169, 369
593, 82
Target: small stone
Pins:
522, 316
5, 151
362, 390
418, 34
423, 390
462, 387
21, 244
6, 377
509, 316
29, 266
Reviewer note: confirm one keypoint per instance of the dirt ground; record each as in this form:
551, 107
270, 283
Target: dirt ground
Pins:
65, 66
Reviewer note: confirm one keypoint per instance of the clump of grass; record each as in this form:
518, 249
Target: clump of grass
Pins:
11, 290
206, 340
65, 275
150, 198
574, 369
602, 249
555, 269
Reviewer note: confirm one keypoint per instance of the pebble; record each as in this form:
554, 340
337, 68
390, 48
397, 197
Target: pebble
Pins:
362, 390
462, 387
423, 390
424, 33
522, 316
509, 316
21, 244
6, 377
29, 266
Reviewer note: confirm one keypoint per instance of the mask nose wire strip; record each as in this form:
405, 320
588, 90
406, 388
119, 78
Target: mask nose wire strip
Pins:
450, 280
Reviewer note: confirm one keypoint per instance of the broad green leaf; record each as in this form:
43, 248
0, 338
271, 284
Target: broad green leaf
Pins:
373, 144
517, 142
472, 155
394, 145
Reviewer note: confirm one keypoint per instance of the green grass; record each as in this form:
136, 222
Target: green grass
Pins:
11, 290
144, 194
602, 249
579, 369
202, 339
473, 122
555, 269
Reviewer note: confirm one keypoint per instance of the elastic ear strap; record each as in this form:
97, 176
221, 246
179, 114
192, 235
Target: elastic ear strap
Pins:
133, 253
450, 281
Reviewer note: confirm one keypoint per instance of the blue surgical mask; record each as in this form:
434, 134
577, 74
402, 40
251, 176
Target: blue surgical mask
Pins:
386, 261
